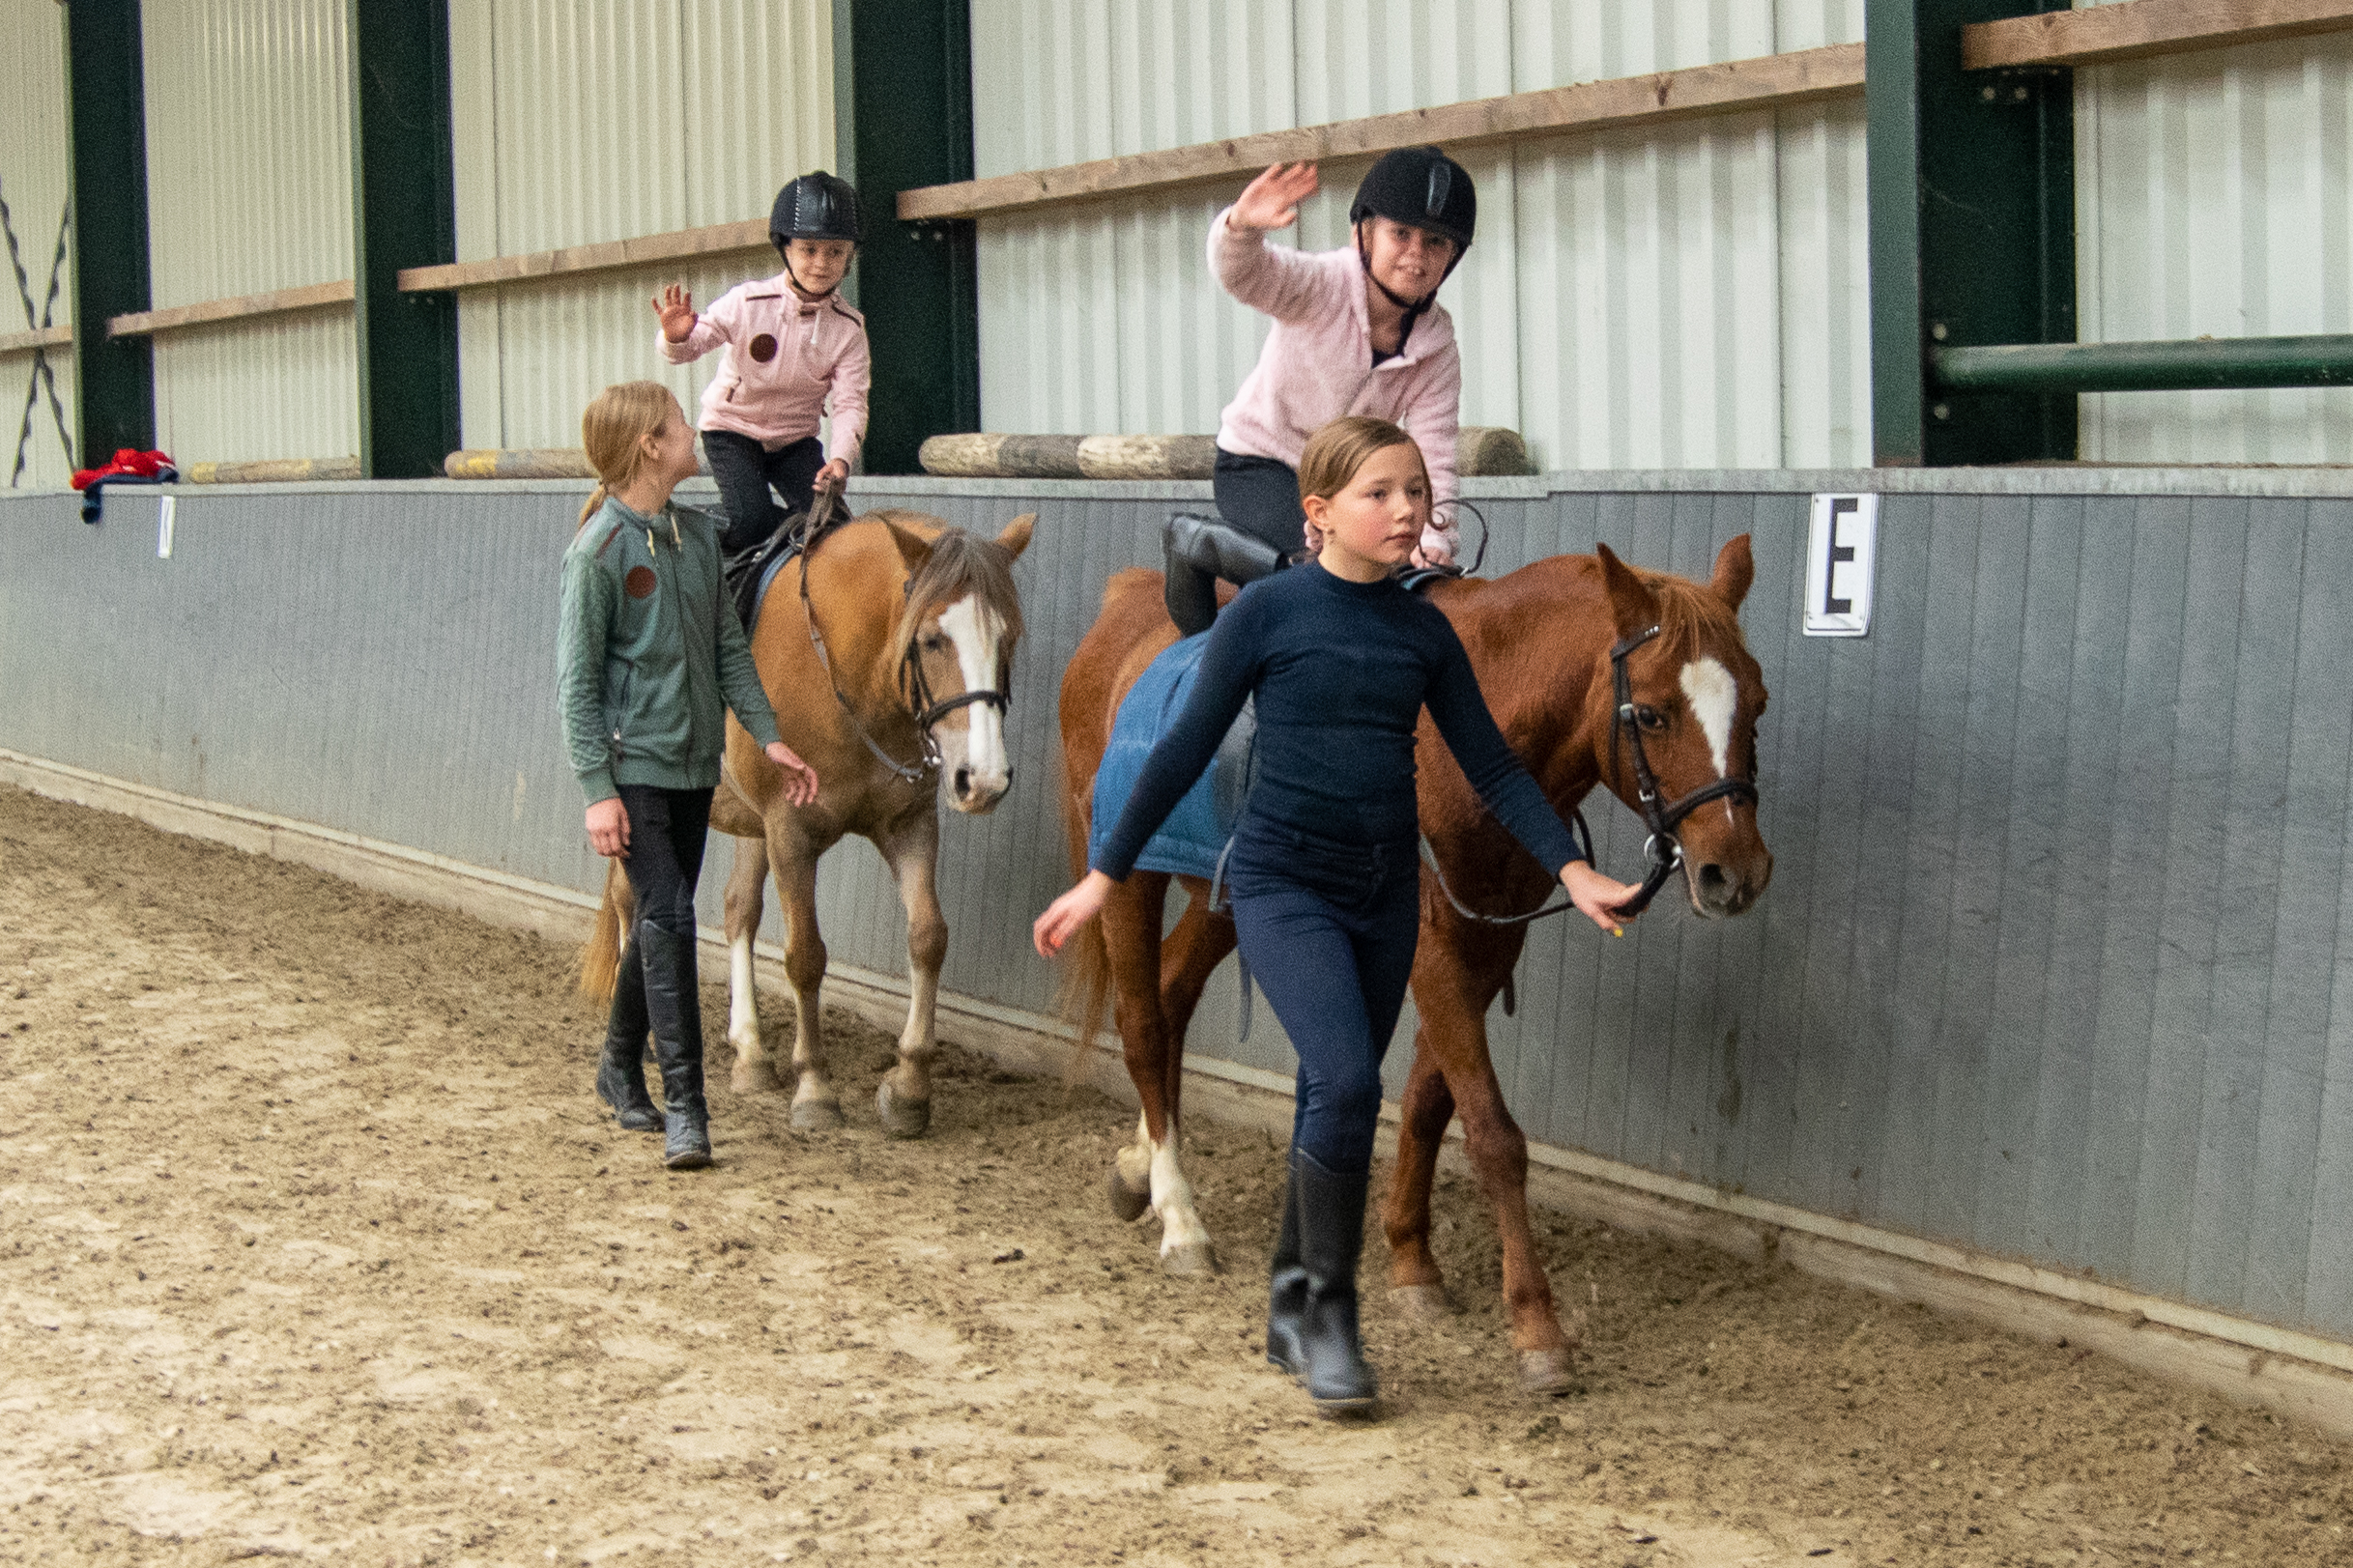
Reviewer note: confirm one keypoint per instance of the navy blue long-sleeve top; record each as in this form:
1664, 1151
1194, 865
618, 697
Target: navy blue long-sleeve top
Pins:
1341, 672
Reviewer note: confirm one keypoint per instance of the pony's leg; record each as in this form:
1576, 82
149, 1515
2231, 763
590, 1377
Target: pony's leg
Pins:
755, 1072
1415, 1283
792, 856
911, 846
1155, 1055
1499, 1156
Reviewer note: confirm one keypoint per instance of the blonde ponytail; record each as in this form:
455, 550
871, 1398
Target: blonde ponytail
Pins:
611, 433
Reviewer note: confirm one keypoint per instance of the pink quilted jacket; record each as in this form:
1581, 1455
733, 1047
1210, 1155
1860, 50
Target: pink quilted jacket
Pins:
784, 361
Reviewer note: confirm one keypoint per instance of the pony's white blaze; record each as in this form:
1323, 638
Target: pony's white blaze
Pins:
976, 634
1713, 696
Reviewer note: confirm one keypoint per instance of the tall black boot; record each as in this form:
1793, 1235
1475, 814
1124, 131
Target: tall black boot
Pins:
674, 1002
1200, 549
1332, 1235
621, 1076
1287, 1291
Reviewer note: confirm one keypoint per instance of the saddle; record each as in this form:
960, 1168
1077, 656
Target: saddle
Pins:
1192, 840
747, 573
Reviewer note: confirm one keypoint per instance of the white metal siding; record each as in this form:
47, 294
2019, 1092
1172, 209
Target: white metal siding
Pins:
37, 292
2211, 198
1694, 297
578, 124
248, 189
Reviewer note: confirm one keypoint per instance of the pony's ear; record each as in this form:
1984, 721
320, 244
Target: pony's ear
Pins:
913, 548
1633, 607
1736, 570
1015, 538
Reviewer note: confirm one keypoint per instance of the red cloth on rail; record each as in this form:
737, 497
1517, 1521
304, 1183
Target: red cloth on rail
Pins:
129, 463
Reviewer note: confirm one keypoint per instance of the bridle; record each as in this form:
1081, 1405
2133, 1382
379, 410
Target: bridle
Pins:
1662, 850
913, 689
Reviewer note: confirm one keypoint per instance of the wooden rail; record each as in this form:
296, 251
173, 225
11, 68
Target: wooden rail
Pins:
611, 257
40, 337
238, 307
2141, 29
1802, 76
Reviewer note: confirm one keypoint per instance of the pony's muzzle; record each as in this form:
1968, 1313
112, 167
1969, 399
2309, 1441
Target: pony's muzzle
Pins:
974, 791
1721, 888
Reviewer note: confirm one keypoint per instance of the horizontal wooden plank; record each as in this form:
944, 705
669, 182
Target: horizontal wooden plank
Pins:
275, 471
2139, 29
238, 307
40, 337
1802, 76
614, 256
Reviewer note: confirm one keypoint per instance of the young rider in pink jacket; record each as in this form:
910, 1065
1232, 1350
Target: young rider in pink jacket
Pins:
792, 349
1357, 331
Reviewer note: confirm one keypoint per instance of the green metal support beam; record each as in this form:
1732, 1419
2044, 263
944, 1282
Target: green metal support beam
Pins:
1972, 182
2194, 364
404, 214
114, 378
908, 122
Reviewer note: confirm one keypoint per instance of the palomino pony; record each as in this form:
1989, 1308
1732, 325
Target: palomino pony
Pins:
1549, 643
887, 651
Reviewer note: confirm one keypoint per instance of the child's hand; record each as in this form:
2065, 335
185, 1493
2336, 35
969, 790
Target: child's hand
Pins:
609, 828
1066, 914
676, 308
835, 472
1272, 200
800, 779
1597, 896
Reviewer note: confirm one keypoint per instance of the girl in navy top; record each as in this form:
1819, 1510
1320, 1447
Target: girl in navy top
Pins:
1323, 869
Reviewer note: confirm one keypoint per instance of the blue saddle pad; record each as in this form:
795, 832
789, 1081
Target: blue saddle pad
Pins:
767, 576
1193, 838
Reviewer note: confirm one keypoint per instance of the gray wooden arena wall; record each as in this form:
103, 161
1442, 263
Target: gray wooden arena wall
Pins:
2058, 962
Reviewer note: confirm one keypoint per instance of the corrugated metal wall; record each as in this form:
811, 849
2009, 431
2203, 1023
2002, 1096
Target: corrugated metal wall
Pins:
2054, 962
34, 451
580, 124
2212, 199
248, 189
1694, 297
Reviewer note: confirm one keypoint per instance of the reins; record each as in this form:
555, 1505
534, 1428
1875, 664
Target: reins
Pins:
1662, 850
825, 513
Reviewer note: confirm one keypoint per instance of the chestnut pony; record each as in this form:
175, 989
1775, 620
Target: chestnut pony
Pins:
887, 651
1541, 641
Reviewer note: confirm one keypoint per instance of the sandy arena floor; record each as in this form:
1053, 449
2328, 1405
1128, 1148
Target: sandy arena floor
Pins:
313, 1242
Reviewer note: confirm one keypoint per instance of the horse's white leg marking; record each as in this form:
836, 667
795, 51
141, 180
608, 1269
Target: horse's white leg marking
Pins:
1181, 1227
744, 1009
1134, 1162
977, 637
1713, 696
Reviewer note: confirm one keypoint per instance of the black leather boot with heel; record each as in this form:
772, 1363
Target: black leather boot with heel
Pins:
1287, 1291
620, 1073
1197, 551
1331, 1208
674, 1005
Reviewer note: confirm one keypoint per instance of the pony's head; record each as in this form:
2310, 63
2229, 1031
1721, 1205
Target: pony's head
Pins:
1696, 695
954, 638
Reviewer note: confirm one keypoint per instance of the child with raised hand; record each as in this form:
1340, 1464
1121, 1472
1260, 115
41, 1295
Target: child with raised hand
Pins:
1357, 331
794, 349
1323, 869
648, 649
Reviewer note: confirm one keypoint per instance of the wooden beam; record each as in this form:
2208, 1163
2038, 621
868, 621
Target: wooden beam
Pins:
2139, 29
238, 307
40, 337
611, 257
1804, 77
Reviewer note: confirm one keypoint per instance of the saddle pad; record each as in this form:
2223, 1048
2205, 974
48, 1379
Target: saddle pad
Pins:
1194, 835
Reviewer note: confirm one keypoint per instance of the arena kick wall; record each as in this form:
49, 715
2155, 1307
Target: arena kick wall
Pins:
2057, 969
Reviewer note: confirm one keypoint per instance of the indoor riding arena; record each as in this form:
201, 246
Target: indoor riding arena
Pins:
1972, 1199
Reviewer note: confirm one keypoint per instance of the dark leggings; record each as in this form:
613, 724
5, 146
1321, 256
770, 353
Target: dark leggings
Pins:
1260, 497
744, 471
666, 832
1329, 933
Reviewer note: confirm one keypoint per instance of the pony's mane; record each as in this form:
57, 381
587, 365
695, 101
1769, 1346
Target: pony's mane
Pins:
959, 565
1690, 617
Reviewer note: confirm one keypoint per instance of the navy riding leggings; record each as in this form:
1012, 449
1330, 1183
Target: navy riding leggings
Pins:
666, 832
1260, 495
744, 470
1329, 930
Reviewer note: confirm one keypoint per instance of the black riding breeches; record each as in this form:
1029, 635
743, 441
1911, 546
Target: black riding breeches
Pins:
744, 471
666, 832
1260, 497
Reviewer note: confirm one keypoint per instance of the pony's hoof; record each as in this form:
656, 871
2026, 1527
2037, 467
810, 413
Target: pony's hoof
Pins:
1127, 1202
816, 1116
756, 1076
1423, 1304
1190, 1258
902, 1118
1552, 1371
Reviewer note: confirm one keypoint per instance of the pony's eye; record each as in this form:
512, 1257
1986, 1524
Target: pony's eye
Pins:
1650, 719
934, 642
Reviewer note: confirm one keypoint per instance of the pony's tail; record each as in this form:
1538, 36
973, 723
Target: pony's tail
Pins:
1084, 997
600, 961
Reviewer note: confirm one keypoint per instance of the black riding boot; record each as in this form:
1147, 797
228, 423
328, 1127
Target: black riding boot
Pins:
621, 1076
1200, 550
1331, 1237
674, 1002
1287, 1291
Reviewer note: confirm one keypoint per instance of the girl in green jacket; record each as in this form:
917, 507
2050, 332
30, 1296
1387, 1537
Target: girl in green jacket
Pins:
648, 651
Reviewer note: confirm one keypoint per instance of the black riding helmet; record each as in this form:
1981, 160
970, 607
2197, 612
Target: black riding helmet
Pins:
817, 206
1425, 189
